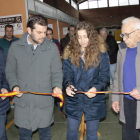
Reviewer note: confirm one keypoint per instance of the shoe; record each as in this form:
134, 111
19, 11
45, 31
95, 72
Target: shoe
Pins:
62, 114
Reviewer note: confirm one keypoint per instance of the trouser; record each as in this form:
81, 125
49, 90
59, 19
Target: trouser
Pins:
129, 128
2, 127
44, 133
73, 126
112, 72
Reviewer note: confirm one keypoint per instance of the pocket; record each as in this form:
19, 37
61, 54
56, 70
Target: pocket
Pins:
21, 101
46, 101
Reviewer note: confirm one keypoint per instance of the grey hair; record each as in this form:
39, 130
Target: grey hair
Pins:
134, 20
104, 30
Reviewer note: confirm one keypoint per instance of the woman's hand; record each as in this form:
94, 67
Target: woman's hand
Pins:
70, 90
91, 95
3, 91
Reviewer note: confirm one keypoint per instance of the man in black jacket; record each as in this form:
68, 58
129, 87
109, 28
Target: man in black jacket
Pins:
64, 41
112, 50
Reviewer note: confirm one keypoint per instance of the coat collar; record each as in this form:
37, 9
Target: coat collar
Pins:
23, 42
123, 48
13, 38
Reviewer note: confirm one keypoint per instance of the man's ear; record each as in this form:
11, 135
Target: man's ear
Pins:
139, 33
29, 30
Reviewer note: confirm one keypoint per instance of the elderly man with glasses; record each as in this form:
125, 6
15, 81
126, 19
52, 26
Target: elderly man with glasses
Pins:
127, 79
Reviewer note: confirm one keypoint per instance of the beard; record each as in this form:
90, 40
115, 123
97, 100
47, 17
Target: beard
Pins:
9, 36
36, 41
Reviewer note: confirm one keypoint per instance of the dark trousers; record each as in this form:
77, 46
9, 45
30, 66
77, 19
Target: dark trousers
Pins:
2, 127
73, 126
129, 129
44, 133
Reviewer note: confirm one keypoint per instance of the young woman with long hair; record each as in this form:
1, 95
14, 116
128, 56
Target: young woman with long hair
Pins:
86, 69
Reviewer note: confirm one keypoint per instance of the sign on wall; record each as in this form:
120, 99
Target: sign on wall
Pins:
65, 30
50, 25
15, 20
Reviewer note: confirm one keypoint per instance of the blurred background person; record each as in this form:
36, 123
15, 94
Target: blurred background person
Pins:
112, 50
64, 41
8, 38
49, 35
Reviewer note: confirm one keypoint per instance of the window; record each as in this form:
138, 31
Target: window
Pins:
123, 2
74, 4
102, 3
67, 1
41, 0
83, 5
93, 4
113, 3
133, 2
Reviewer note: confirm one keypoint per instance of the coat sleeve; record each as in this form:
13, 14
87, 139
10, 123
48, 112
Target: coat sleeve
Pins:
68, 73
4, 83
56, 69
113, 47
115, 97
104, 73
11, 68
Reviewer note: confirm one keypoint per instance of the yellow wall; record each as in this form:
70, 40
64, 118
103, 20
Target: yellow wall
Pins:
14, 7
117, 35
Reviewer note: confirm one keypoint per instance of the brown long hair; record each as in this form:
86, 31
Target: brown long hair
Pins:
92, 52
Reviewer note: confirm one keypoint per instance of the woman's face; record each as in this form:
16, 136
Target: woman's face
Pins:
83, 38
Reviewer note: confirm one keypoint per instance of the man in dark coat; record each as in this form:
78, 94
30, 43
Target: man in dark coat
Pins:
64, 41
33, 64
4, 102
112, 50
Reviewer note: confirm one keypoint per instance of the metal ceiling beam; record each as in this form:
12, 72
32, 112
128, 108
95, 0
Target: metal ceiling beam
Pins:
81, 1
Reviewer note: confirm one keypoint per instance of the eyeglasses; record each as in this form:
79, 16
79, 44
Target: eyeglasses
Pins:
126, 35
48, 34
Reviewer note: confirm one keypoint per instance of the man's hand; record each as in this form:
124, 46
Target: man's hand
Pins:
135, 94
16, 88
70, 90
3, 91
91, 95
56, 90
116, 106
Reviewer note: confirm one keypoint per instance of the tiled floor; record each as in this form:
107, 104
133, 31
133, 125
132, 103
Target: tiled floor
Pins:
110, 129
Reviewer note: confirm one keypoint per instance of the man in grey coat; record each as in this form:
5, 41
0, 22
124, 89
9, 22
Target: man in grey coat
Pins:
34, 64
127, 79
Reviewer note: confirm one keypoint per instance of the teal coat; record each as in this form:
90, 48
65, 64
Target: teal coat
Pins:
38, 73
5, 44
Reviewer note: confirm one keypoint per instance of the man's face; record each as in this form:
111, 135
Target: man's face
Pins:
133, 38
38, 34
49, 35
103, 34
9, 32
71, 31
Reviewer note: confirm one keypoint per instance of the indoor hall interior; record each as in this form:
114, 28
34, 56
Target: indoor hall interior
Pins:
60, 14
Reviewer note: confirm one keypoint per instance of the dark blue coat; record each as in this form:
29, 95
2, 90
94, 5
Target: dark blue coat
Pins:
99, 77
4, 104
